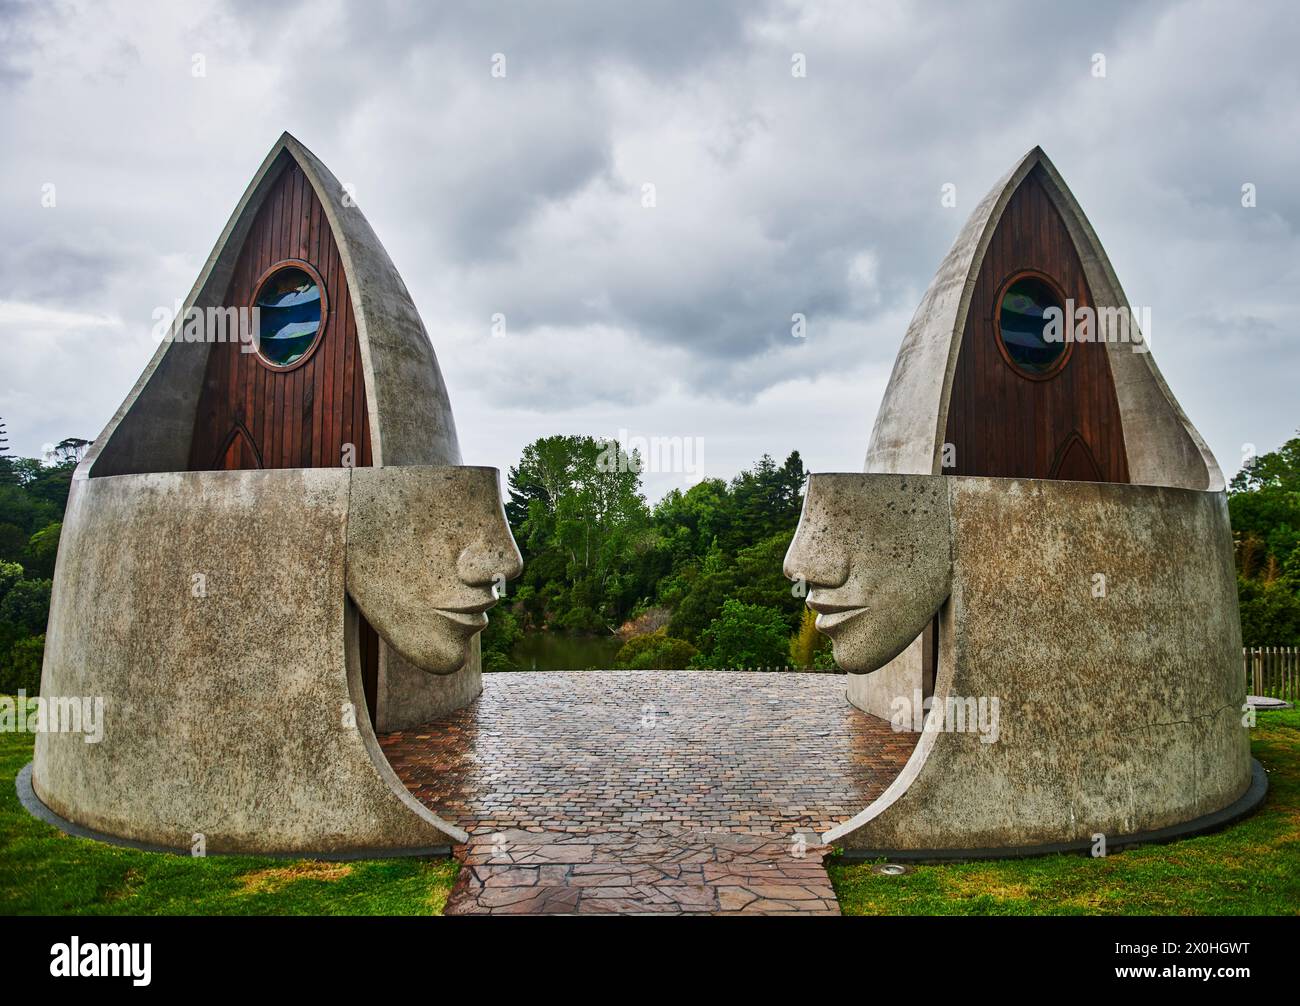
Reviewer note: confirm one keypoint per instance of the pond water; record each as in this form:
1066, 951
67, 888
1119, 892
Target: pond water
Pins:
551, 651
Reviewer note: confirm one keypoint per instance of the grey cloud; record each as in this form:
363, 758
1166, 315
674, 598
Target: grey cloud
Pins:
521, 196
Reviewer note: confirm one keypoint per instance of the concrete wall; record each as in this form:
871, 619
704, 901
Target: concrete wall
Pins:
875, 693
408, 696
1117, 714
238, 715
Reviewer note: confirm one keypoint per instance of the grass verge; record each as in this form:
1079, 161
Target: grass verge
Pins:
45, 872
1252, 868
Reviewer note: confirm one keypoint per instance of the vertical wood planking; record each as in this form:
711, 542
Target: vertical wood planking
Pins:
313, 253
299, 417
1004, 424
293, 456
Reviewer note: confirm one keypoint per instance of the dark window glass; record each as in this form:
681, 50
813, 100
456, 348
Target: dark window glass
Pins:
289, 306
1021, 323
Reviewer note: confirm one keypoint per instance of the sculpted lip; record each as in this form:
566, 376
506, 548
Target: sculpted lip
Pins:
470, 616
831, 616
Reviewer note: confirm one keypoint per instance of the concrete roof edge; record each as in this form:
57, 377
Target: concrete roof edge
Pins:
1081, 230
251, 191
915, 403
414, 408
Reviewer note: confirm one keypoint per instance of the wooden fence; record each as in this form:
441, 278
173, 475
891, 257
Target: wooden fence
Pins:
1273, 671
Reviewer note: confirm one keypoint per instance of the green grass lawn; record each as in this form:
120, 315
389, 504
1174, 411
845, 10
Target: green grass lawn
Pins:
45, 872
1252, 868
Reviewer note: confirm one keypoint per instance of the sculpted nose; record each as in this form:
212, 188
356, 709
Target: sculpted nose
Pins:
815, 558
483, 563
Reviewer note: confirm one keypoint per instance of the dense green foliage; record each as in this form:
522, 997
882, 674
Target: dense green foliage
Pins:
498, 640
599, 559
746, 636
656, 651
1264, 502
808, 647
32, 499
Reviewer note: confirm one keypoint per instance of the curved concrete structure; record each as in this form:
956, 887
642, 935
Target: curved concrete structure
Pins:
1162, 446
1064, 706
409, 409
1091, 627
218, 614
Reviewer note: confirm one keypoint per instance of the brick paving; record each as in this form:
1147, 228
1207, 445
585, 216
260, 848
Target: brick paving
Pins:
648, 791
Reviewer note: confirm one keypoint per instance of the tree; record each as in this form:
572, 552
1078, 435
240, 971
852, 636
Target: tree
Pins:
498, 640
808, 647
698, 593
20, 668
760, 579
13, 542
1279, 469
655, 651
70, 450
1264, 504
595, 554
1270, 613
26, 606
10, 573
33, 497
24, 610
767, 498
584, 528
41, 551
6, 462
745, 636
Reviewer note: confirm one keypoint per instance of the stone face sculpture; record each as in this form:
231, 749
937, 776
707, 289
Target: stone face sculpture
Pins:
877, 563
428, 553
1072, 647
242, 625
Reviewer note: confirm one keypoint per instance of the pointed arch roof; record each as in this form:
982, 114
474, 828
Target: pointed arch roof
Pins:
1162, 445
409, 410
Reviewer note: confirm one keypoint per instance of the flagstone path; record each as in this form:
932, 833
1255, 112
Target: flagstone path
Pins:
665, 792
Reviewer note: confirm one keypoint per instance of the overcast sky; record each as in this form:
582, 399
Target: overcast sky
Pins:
523, 195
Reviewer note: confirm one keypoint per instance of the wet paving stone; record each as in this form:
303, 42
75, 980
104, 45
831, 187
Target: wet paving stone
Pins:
678, 792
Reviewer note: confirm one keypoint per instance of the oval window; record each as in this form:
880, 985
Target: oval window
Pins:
1023, 322
290, 311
